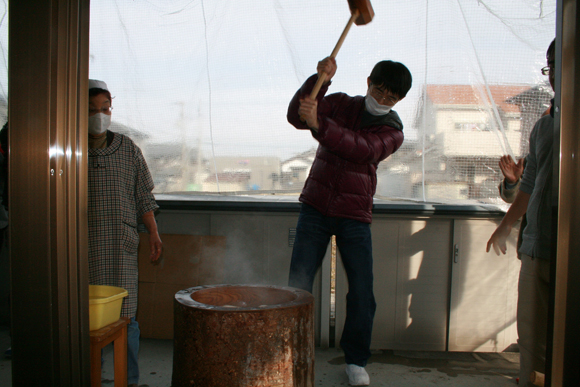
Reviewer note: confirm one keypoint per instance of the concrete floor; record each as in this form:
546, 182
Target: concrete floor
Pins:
386, 368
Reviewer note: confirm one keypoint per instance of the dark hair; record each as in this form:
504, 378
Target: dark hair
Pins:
4, 136
4, 165
551, 53
393, 76
96, 91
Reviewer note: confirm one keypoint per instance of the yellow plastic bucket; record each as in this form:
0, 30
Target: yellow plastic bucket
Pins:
104, 305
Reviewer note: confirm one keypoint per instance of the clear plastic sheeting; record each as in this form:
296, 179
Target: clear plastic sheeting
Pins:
203, 87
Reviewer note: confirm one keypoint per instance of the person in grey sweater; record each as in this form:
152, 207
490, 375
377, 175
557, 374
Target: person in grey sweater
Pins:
533, 199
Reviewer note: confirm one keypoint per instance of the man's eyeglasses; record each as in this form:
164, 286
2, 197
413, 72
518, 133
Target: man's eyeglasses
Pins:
546, 70
105, 110
380, 96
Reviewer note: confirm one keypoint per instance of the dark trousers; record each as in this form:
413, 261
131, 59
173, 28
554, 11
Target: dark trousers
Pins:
353, 239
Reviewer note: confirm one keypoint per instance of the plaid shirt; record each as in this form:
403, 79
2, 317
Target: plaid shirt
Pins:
120, 186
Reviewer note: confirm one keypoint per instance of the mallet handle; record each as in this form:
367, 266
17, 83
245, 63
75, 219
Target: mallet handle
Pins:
322, 76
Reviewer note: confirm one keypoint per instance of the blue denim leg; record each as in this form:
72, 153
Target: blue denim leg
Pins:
354, 242
133, 333
313, 233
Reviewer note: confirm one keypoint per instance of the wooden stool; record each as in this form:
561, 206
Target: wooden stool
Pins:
117, 334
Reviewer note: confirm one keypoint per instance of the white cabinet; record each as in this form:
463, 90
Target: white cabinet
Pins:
436, 288
428, 298
421, 316
411, 270
483, 291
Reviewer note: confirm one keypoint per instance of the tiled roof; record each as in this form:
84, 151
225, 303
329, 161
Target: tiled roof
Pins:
471, 95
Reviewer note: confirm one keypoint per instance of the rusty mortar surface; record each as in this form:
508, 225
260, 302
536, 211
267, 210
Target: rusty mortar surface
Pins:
243, 335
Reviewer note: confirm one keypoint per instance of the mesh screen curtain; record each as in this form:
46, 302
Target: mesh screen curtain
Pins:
202, 86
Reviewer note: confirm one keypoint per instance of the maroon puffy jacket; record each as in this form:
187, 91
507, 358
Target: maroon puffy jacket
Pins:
343, 178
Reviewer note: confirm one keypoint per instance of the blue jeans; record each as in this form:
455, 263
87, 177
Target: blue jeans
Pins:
133, 333
353, 239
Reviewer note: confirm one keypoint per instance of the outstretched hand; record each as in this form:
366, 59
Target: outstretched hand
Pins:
498, 239
511, 171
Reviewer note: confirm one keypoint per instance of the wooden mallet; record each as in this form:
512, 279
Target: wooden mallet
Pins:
361, 13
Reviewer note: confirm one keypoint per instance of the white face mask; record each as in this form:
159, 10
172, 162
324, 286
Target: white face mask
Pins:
99, 123
374, 107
